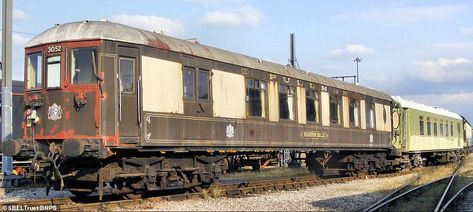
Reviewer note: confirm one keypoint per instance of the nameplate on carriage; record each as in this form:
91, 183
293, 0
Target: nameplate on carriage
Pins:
314, 134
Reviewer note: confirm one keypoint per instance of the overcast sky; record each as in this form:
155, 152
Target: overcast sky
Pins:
420, 50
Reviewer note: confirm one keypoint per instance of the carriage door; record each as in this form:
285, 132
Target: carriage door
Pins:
128, 92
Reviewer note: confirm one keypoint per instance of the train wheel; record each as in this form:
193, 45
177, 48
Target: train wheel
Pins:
134, 195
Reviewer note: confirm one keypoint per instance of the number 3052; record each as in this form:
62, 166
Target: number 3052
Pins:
53, 49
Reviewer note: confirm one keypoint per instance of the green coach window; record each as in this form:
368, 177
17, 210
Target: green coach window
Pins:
446, 128
421, 125
451, 128
441, 128
429, 129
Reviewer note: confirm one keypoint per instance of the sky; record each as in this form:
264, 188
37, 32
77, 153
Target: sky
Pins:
419, 50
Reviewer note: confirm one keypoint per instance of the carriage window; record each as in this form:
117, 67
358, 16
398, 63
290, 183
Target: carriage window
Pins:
435, 127
354, 111
188, 80
203, 84
255, 97
286, 102
126, 74
335, 110
53, 72
421, 125
34, 68
429, 130
312, 101
451, 129
84, 66
458, 129
370, 115
441, 127
446, 128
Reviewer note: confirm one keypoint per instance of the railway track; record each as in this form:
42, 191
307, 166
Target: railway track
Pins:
214, 191
435, 195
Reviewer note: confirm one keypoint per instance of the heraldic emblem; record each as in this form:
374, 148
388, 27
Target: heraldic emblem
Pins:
230, 131
54, 112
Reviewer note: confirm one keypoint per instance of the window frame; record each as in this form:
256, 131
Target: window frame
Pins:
339, 103
355, 123
428, 126
46, 71
197, 84
451, 129
291, 90
186, 98
441, 128
133, 73
446, 129
41, 52
367, 111
435, 126
421, 125
264, 111
70, 58
316, 98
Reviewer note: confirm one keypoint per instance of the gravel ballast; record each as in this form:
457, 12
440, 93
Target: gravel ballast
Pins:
351, 196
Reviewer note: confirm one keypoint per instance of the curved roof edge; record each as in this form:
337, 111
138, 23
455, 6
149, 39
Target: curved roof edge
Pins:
430, 109
105, 30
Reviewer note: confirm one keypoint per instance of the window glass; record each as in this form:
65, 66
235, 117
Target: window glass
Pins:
370, 115
458, 129
126, 74
421, 125
255, 97
451, 129
203, 84
53, 72
84, 65
312, 102
286, 102
353, 112
335, 109
435, 127
429, 130
34, 70
446, 128
188, 80
441, 127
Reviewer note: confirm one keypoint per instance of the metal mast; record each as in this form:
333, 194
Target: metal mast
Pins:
357, 60
293, 59
7, 164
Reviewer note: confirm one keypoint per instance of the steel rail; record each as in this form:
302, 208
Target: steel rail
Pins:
384, 204
456, 195
391, 194
214, 191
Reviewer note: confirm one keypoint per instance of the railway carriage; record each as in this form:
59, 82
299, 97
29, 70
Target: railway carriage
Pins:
429, 134
126, 110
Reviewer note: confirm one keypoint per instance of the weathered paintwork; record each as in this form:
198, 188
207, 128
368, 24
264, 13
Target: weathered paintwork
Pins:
118, 120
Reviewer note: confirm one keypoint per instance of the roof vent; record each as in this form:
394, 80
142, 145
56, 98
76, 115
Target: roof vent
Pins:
56, 24
193, 40
85, 21
159, 31
284, 67
259, 60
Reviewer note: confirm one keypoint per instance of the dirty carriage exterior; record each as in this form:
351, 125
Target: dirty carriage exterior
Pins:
143, 111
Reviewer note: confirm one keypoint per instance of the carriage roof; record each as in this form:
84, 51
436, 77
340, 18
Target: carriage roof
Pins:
106, 30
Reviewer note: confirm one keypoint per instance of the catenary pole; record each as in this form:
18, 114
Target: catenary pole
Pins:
7, 163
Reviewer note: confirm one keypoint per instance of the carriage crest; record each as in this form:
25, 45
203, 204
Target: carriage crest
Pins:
54, 112
230, 131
